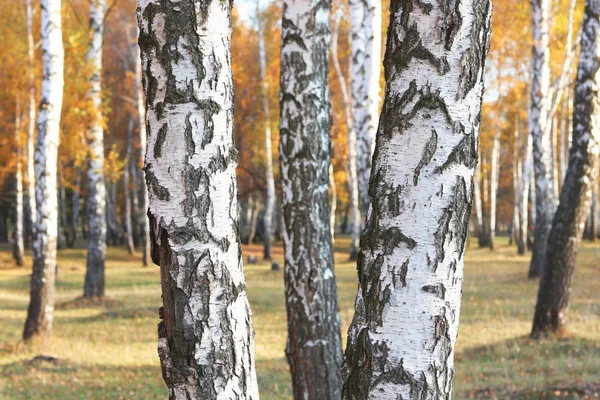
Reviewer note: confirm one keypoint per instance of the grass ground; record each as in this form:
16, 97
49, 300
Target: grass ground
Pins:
108, 350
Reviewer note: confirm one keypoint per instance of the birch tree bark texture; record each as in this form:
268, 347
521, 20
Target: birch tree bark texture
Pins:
206, 343
567, 228
314, 349
410, 268
365, 28
41, 305
96, 192
540, 133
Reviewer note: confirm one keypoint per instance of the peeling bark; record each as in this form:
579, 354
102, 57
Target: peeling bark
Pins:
410, 268
206, 343
41, 306
314, 349
96, 190
552, 306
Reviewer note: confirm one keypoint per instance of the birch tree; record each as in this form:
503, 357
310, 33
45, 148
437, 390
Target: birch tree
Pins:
365, 28
494, 187
270, 199
206, 343
18, 242
552, 306
96, 191
481, 232
41, 305
126, 194
31, 127
314, 349
401, 340
538, 128
356, 219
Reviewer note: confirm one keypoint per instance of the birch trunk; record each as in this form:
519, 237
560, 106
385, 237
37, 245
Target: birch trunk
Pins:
314, 347
18, 244
253, 220
128, 227
75, 200
134, 198
62, 209
31, 128
206, 343
96, 191
352, 153
564, 132
478, 205
365, 28
270, 199
594, 212
333, 191
554, 166
143, 223
538, 126
552, 306
41, 306
517, 172
410, 268
494, 187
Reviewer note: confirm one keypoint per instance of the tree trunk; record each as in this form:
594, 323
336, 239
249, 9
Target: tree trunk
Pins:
31, 127
478, 205
128, 228
61, 226
143, 223
18, 243
538, 121
75, 206
206, 343
554, 165
552, 306
522, 240
270, 199
517, 172
401, 340
253, 220
365, 28
134, 198
355, 206
314, 347
333, 191
494, 187
41, 306
96, 191
594, 212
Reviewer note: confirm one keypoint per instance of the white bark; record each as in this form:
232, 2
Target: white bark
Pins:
401, 340
96, 192
494, 186
365, 28
355, 208
41, 307
31, 126
206, 342
18, 244
126, 194
478, 204
524, 191
270, 199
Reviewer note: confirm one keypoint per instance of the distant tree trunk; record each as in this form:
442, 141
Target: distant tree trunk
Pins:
96, 192
314, 347
270, 199
206, 341
355, 206
554, 165
485, 200
552, 306
143, 223
62, 209
41, 306
594, 212
31, 127
494, 187
538, 121
523, 236
126, 196
18, 243
478, 205
333, 191
75, 206
565, 133
134, 198
517, 172
253, 220
365, 28
410, 268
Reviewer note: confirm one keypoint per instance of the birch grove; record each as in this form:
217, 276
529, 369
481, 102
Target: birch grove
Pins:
410, 268
206, 341
40, 312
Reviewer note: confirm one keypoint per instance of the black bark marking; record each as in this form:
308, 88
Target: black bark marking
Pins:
464, 153
160, 140
439, 290
452, 22
154, 186
428, 152
440, 238
402, 274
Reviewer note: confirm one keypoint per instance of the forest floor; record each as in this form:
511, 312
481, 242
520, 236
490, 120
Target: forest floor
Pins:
107, 350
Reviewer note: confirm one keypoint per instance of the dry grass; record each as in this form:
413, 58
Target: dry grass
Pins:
107, 349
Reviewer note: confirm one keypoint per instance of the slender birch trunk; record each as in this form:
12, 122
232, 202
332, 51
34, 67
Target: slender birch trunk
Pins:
333, 191
31, 127
134, 197
538, 121
554, 165
62, 209
552, 306
41, 306
270, 199
564, 132
365, 28
143, 223
355, 206
478, 205
96, 191
517, 172
128, 227
75, 211
18, 243
314, 347
401, 341
594, 212
494, 187
206, 341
